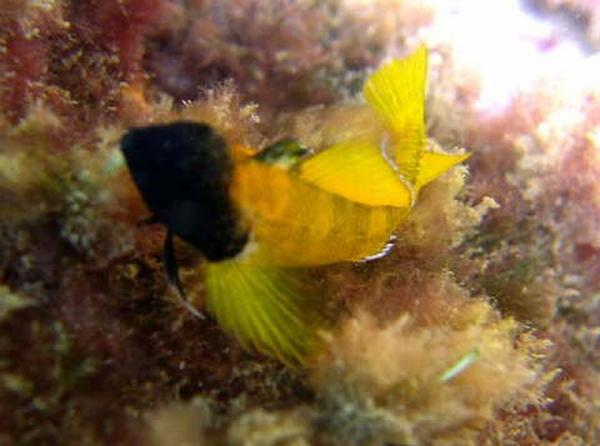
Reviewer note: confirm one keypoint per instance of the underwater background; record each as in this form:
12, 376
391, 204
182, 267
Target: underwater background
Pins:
480, 327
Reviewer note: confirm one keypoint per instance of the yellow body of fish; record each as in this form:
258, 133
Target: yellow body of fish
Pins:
342, 204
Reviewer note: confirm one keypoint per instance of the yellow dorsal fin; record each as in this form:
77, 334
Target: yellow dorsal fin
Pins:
275, 311
397, 93
359, 172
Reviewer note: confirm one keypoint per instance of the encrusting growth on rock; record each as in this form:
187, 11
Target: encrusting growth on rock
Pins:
477, 327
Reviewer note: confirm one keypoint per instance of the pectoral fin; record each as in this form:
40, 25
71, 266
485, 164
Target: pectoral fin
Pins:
359, 172
272, 310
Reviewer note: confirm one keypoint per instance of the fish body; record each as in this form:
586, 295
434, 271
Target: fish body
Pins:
261, 219
295, 223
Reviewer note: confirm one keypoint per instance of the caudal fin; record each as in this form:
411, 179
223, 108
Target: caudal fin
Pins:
272, 310
435, 164
396, 91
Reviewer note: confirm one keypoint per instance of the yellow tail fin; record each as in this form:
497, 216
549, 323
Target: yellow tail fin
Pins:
434, 164
272, 310
397, 93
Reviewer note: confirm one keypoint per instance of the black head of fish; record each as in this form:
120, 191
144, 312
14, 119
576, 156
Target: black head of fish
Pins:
183, 170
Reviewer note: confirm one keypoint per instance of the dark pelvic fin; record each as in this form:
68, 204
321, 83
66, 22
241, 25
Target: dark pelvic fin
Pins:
172, 271
148, 221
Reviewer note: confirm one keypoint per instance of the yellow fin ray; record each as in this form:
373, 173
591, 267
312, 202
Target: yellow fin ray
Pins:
272, 310
358, 172
396, 91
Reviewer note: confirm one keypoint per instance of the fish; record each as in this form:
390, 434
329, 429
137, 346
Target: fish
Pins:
262, 219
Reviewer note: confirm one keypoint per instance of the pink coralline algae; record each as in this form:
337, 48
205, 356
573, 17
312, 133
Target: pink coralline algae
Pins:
479, 327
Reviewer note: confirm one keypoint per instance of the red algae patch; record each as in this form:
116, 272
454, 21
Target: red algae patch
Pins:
479, 327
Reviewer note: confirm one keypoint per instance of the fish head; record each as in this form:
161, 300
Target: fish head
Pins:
183, 170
